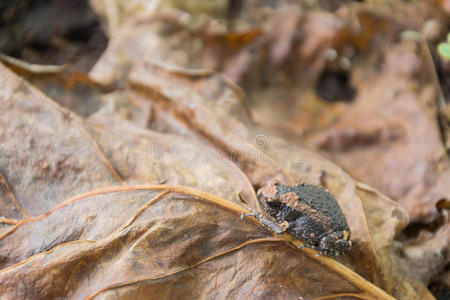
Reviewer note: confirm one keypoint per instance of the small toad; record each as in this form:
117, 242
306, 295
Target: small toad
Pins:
308, 212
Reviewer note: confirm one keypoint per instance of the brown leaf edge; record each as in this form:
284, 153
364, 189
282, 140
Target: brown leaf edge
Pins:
369, 290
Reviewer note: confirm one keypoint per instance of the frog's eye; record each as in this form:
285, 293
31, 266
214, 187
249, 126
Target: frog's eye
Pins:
273, 202
275, 182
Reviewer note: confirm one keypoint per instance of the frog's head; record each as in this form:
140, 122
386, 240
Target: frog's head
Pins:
267, 197
335, 244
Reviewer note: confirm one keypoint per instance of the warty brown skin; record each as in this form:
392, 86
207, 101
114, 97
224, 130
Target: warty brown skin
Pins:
308, 212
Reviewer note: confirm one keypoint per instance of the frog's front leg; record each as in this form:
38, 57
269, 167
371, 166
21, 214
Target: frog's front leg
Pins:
277, 228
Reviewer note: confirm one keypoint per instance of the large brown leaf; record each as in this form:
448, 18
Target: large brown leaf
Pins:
168, 242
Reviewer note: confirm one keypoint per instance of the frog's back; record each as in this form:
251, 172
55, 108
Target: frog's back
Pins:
320, 201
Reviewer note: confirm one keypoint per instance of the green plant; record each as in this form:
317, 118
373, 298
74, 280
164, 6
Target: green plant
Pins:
444, 48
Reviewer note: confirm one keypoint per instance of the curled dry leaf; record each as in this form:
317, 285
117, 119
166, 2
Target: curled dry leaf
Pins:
387, 219
167, 241
82, 158
118, 105
171, 37
144, 37
71, 89
214, 113
143, 156
114, 14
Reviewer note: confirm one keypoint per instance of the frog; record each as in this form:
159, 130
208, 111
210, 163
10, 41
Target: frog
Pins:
308, 212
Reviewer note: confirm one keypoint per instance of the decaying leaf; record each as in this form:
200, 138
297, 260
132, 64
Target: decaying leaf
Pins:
143, 156
57, 157
140, 157
168, 242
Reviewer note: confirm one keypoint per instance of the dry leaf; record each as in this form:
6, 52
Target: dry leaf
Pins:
167, 242
57, 157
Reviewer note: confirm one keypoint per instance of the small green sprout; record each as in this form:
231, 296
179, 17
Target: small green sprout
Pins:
444, 48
